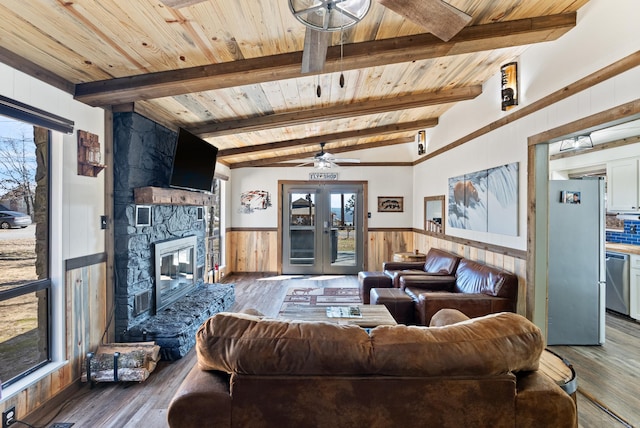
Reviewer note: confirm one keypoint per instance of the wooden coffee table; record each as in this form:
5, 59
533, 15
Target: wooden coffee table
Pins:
372, 315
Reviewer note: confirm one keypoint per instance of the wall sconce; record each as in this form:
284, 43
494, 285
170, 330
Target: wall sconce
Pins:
509, 73
422, 140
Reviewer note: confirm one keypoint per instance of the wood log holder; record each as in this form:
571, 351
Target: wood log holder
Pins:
121, 362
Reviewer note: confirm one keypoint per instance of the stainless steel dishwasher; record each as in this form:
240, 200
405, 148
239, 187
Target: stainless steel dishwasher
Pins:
618, 282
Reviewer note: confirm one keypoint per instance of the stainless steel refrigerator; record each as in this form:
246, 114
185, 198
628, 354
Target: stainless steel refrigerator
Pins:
577, 276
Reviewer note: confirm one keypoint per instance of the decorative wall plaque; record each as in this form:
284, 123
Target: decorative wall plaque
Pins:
390, 204
323, 176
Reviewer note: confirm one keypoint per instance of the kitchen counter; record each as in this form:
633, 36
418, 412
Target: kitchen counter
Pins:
623, 248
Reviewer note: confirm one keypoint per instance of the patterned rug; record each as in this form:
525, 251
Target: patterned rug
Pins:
312, 296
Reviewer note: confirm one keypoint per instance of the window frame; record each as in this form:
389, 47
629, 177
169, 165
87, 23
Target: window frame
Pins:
54, 283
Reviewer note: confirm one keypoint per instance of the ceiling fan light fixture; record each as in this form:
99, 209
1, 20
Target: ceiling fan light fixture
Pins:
322, 164
329, 15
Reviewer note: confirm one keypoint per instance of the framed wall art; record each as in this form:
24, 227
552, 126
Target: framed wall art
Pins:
485, 201
390, 204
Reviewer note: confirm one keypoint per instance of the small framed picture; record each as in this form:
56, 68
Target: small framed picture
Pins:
143, 215
570, 197
390, 204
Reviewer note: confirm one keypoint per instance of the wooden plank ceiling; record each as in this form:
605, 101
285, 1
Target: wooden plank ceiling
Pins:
229, 71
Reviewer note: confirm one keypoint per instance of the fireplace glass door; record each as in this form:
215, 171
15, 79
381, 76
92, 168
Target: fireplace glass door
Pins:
322, 229
175, 270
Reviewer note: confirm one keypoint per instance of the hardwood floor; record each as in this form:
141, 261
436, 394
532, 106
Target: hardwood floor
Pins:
607, 375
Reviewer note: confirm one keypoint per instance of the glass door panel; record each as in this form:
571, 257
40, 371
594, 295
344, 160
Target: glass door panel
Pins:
322, 229
302, 228
343, 235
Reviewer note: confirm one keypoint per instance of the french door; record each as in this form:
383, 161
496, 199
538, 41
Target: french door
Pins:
322, 229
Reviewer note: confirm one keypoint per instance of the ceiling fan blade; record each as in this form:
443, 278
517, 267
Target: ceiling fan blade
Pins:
305, 163
315, 50
177, 4
436, 16
345, 160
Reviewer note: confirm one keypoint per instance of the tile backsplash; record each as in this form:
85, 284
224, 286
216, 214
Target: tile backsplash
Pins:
629, 235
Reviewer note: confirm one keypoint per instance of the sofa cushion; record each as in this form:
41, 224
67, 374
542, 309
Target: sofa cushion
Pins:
474, 277
447, 317
489, 345
441, 262
243, 343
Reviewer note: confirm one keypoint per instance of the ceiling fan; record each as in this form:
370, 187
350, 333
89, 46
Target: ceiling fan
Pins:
325, 160
322, 17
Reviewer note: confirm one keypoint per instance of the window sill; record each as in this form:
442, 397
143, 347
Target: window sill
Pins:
31, 379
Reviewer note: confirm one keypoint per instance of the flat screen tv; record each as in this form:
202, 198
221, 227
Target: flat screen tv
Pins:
194, 163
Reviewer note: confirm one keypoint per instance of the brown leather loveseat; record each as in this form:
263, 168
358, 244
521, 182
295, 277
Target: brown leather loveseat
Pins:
474, 288
261, 372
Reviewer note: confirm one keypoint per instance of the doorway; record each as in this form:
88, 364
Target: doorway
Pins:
538, 200
322, 228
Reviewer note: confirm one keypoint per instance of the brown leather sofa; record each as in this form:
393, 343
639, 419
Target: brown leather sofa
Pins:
474, 288
260, 372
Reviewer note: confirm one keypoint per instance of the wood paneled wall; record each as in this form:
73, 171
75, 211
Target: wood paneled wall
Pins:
86, 319
251, 250
86, 312
384, 242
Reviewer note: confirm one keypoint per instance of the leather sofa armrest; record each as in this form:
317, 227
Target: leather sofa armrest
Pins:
203, 399
402, 266
427, 281
541, 402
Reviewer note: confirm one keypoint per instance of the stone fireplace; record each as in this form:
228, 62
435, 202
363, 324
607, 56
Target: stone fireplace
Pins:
159, 263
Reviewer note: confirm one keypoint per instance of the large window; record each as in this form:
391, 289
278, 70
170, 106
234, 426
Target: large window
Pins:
24, 249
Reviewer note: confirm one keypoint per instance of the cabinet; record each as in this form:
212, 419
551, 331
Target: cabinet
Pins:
622, 185
634, 287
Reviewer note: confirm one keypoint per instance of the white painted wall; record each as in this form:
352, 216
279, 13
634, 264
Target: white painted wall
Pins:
607, 31
382, 181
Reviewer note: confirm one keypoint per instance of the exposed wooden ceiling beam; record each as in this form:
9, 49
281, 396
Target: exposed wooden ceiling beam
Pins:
276, 160
356, 56
334, 112
327, 138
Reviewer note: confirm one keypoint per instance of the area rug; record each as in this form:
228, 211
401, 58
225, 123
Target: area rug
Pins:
311, 296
